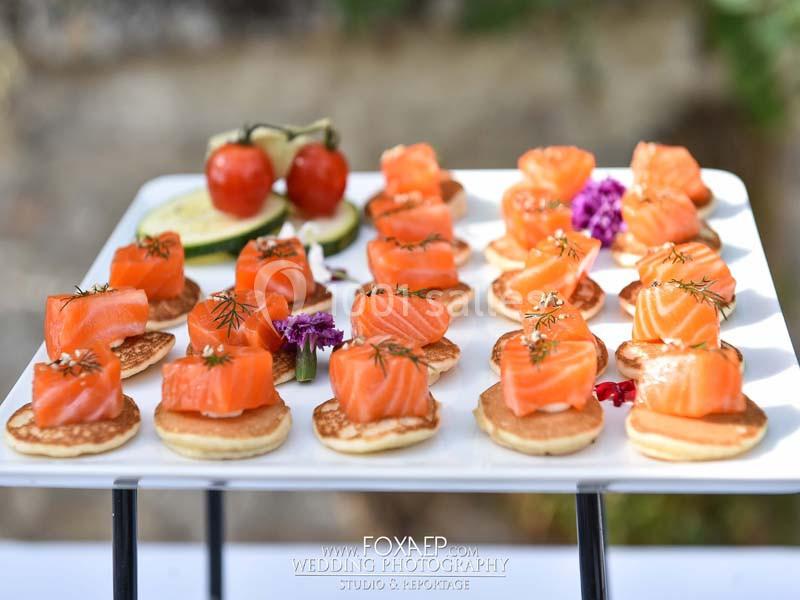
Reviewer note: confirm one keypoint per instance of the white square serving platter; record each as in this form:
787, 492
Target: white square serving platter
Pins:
461, 457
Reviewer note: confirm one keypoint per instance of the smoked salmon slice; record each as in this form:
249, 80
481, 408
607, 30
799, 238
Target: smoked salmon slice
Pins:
268, 264
657, 216
412, 217
220, 382
237, 318
418, 265
152, 264
549, 314
531, 215
411, 168
79, 387
405, 315
660, 166
677, 312
545, 272
538, 373
380, 377
692, 382
99, 316
575, 246
692, 261
560, 171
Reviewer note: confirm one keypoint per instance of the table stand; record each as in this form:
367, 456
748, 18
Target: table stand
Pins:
215, 537
590, 515
123, 539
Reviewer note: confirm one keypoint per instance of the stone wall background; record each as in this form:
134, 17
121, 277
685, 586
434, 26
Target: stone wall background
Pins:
98, 97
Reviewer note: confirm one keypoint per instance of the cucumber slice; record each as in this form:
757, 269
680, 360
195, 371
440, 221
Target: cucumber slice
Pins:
334, 233
204, 230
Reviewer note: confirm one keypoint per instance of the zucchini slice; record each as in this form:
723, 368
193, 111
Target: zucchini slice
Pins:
334, 233
204, 230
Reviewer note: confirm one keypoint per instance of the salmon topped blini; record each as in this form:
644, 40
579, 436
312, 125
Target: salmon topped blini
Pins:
280, 265
415, 317
155, 265
414, 170
690, 406
411, 218
78, 407
674, 313
662, 166
691, 261
657, 216
560, 263
98, 316
530, 216
560, 171
381, 397
222, 403
544, 402
549, 314
243, 318
426, 265
237, 318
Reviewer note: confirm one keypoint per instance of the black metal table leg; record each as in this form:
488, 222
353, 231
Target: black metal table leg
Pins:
123, 503
591, 545
215, 537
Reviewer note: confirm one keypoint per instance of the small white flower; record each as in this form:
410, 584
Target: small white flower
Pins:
208, 351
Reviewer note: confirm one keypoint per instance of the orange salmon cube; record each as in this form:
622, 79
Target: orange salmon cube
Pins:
223, 381
153, 264
81, 387
96, 317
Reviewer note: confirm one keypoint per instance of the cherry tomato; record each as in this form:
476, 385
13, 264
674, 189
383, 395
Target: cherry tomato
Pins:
239, 177
316, 179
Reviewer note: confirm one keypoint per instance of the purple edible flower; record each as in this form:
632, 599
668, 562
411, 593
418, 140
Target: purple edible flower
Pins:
318, 330
598, 209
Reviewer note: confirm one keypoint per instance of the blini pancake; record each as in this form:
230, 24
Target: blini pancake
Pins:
170, 312
540, 433
441, 356
588, 297
628, 294
67, 441
627, 250
335, 430
506, 254
630, 356
497, 351
456, 298
255, 431
461, 252
713, 437
284, 362
139, 352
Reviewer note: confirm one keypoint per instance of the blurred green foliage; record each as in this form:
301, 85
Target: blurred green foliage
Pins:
635, 519
759, 40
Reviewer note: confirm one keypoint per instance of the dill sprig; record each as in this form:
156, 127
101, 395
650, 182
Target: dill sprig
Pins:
702, 292
564, 246
540, 348
392, 348
215, 358
675, 256
229, 312
81, 362
399, 290
79, 293
275, 248
155, 246
545, 319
